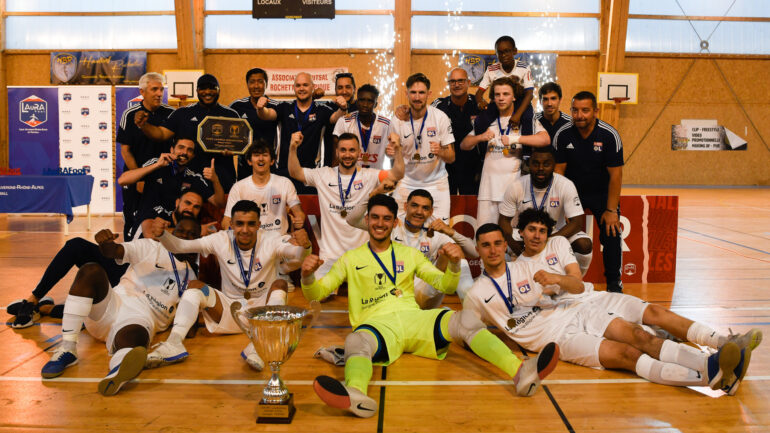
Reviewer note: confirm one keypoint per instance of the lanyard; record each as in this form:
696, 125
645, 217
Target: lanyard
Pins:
179, 284
500, 127
545, 196
509, 299
417, 137
343, 197
392, 278
246, 278
365, 137
296, 116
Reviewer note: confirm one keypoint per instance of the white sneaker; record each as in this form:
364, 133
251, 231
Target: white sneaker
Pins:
129, 368
166, 353
249, 354
335, 394
533, 370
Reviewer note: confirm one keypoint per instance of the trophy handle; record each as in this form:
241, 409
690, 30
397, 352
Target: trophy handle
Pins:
312, 316
235, 308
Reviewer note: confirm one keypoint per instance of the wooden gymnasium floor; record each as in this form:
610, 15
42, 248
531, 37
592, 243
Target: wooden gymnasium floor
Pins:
723, 276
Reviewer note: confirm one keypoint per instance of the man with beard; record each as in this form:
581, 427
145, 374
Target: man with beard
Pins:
551, 117
256, 83
78, 252
344, 86
371, 129
125, 316
306, 117
340, 189
545, 190
135, 147
387, 321
183, 123
165, 176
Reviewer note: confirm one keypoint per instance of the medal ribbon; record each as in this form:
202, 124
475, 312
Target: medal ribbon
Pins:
509, 299
417, 137
392, 278
365, 137
545, 196
343, 197
296, 116
180, 287
245, 277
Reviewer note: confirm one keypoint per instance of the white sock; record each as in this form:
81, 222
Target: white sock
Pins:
704, 335
584, 261
466, 279
277, 297
76, 309
666, 373
187, 313
683, 355
118, 356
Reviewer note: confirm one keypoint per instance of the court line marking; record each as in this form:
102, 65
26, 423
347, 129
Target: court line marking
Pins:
372, 383
725, 240
696, 221
558, 409
725, 249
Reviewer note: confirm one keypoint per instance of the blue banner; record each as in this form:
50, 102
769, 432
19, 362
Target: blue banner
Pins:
98, 67
33, 129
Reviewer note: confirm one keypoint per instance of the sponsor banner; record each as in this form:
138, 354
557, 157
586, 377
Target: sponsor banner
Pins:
542, 66
85, 136
649, 235
33, 129
699, 134
97, 67
125, 98
281, 81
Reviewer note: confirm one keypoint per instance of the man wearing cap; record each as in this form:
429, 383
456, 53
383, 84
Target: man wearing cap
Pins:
183, 123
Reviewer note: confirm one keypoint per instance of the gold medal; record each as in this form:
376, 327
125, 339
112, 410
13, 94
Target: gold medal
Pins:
344, 213
247, 295
429, 233
511, 323
505, 150
416, 157
365, 157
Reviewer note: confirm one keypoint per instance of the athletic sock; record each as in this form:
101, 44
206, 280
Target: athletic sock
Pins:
117, 358
76, 309
584, 261
704, 335
186, 315
491, 349
277, 297
666, 373
683, 355
358, 372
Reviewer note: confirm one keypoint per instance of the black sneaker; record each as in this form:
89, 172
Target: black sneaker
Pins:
27, 315
615, 286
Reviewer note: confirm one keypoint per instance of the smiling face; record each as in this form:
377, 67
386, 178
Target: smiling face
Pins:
583, 113
303, 87
535, 236
208, 94
245, 226
188, 205
345, 88
261, 162
505, 54
491, 247
550, 103
503, 95
348, 152
418, 96
380, 221
152, 94
184, 151
256, 85
418, 210
367, 102
458, 82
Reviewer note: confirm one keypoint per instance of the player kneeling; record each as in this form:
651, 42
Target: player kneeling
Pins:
128, 315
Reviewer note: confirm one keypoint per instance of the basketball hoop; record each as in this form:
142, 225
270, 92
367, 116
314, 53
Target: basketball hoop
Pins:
182, 98
620, 100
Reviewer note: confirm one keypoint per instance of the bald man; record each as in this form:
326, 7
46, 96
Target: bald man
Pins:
461, 108
307, 117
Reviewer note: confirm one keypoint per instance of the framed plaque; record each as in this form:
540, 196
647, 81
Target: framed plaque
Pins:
220, 134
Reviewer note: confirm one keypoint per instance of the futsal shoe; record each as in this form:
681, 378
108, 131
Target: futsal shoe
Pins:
748, 340
130, 367
335, 394
166, 353
13, 307
533, 370
332, 354
249, 354
721, 365
26, 312
61, 359
615, 286
740, 371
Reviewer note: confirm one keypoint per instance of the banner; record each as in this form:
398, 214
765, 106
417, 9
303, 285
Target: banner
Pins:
85, 139
125, 98
98, 67
649, 235
701, 134
33, 129
542, 66
280, 82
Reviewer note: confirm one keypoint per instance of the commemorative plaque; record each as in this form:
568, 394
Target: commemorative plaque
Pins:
221, 134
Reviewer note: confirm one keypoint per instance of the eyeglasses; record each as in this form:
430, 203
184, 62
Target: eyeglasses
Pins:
453, 82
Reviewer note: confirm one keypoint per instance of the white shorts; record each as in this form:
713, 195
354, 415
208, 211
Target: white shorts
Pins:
439, 190
120, 310
488, 212
226, 324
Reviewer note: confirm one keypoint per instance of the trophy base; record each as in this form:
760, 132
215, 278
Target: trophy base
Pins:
276, 413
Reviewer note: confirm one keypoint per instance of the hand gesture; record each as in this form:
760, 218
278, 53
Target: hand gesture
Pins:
545, 278
341, 102
318, 93
209, 173
158, 226
452, 251
482, 105
296, 139
261, 102
487, 135
297, 221
612, 221
388, 185
393, 141
165, 159
311, 264
435, 147
300, 237
140, 118
105, 236
440, 226
402, 113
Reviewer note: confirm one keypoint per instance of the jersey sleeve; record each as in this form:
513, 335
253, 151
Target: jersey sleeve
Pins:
123, 136
527, 81
572, 205
486, 80
172, 122
312, 176
613, 149
564, 251
233, 198
339, 127
291, 193
560, 141
137, 250
445, 282
319, 289
511, 197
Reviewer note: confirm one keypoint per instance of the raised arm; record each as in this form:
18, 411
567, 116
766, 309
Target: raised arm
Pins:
467, 246
107, 246
263, 111
295, 169
172, 243
319, 289
154, 133
133, 176
445, 282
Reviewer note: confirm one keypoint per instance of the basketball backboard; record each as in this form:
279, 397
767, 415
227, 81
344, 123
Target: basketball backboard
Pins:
182, 82
617, 86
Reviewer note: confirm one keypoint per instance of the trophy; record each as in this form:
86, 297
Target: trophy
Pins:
275, 331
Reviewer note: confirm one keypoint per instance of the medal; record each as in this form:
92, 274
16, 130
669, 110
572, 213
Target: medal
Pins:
511, 323
344, 197
247, 294
296, 116
545, 196
344, 213
365, 137
416, 157
417, 136
429, 233
245, 277
507, 130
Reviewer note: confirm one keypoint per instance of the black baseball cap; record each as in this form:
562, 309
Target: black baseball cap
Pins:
207, 81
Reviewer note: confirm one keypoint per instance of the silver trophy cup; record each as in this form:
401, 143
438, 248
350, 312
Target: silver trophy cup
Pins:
275, 332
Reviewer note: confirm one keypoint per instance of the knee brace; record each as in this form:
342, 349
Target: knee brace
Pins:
360, 343
464, 325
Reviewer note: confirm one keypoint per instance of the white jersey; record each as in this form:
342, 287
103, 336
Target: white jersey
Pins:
428, 246
554, 258
531, 308
151, 277
336, 235
272, 198
437, 127
373, 152
561, 203
495, 71
269, 250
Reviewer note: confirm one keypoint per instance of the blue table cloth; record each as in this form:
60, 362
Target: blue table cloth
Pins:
45, 194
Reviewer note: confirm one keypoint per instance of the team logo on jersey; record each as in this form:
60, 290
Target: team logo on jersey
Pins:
278, 222
379, 279
425, 247
66, 96
399, 267
103, 183
33, 111
68, 126
431, 131
135, 101
597, 146
264, 208
377, 139
87, 169
276, 199
357, 185
68, 154
102, 97
103, 154
551, 259
86, 140
554, 202
311, 117
84, 111
167, 286
257, 265
576, 201
523, 287
102, 126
